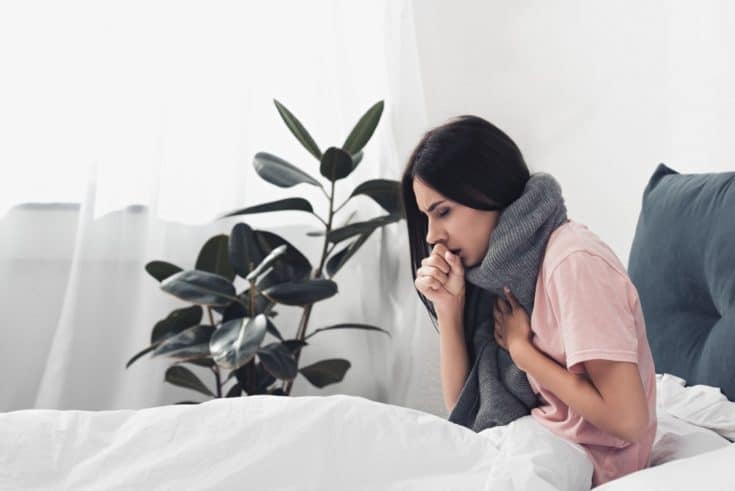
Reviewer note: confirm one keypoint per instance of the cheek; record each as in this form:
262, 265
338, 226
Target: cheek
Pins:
480, 238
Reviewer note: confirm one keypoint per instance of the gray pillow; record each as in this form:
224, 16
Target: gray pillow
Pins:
682, 263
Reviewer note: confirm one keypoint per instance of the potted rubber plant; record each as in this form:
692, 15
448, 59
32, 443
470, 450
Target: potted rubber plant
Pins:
224, 329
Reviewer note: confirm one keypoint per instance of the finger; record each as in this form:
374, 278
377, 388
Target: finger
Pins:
439, 250
497, 314
511, 298
498, 337
432, 272
439, 276
454, 262
437, 273
426, 284
438, 262
502, 305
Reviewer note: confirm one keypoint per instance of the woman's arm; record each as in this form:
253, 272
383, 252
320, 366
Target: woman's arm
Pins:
453, 362
612, 397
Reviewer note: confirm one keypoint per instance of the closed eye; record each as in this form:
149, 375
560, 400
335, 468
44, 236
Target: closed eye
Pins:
444, 213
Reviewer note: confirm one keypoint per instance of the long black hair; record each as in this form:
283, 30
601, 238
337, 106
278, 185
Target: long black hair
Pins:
470, 161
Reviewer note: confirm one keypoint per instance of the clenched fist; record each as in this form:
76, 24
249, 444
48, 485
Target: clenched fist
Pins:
441, 279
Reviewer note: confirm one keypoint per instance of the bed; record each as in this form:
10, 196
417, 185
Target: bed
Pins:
349, 442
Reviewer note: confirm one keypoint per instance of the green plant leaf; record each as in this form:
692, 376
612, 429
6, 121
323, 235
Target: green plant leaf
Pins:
263, 379
348, 326
236, 310
272, 329
175, 322
161, 270
385, 192
336, 164
339, 259
297, 204
340, 234
236, 341
200, 287
235, 391
191, 344
269, 259
262, 277
243, 249
214, 257
292, 266
364, 129
301, 292
139, 354
326, 372
277, 171
183, 377
201, 362
356, 159
298, 130
294, 345
278, 360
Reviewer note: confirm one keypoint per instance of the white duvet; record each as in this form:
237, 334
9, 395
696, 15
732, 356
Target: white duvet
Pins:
342, 442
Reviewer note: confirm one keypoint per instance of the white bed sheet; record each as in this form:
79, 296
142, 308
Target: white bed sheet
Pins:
694, 447
332, 442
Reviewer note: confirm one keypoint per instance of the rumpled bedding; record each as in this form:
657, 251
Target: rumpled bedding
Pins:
331, 442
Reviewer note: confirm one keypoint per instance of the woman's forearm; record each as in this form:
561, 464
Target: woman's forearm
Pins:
453, 361
575, 390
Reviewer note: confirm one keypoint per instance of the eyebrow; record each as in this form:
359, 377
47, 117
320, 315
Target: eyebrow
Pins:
434, 205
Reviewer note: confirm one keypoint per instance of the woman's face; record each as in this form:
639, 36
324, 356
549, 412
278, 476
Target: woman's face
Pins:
456, 226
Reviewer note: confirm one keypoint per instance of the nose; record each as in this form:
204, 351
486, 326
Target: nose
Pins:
434, 233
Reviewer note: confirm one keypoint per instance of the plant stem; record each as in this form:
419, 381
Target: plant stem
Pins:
317, 274
324, 192
331, 248
215, 369
319, 218
251, 293
340, 206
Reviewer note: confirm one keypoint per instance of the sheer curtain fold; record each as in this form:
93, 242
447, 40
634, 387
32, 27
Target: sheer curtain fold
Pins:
152, 126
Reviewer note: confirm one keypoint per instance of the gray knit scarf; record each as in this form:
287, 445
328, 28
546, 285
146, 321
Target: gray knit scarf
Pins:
496, 391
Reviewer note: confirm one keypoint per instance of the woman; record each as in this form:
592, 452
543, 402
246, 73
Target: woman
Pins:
563, 307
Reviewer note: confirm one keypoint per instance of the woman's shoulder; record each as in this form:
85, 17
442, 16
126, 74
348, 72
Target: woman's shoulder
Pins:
575, 241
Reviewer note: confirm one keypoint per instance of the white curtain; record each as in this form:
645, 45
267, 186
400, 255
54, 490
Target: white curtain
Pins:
128, 127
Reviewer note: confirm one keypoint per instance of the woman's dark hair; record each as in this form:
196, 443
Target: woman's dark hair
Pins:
468, 160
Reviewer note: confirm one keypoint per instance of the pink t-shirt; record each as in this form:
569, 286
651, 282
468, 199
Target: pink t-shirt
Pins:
587, 308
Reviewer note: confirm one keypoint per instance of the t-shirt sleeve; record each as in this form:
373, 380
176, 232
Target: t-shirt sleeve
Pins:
590, 301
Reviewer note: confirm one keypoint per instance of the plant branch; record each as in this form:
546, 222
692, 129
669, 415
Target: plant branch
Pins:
319, 218
317, 274
340, 206
323, 191
215, 369
326, 234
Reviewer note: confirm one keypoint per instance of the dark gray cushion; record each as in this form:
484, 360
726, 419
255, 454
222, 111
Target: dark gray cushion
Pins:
682, 263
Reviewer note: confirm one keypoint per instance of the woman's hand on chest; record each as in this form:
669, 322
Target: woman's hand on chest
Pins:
512, 329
